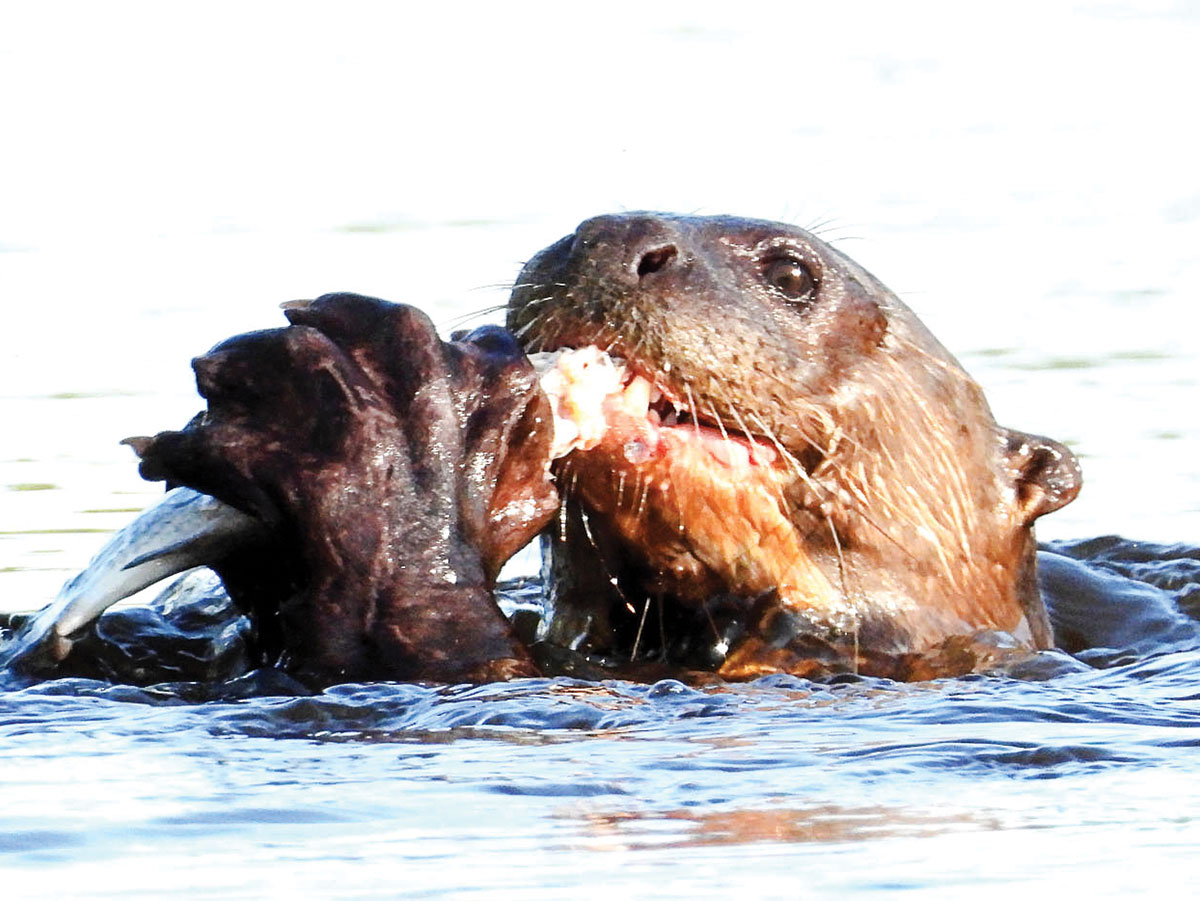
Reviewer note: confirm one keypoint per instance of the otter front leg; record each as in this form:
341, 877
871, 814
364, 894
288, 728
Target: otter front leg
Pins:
397, 473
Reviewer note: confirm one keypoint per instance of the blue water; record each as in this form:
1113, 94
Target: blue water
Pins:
608, 789
1024, 177
1078, 772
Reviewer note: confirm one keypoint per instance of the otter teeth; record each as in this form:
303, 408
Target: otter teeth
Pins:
587, 388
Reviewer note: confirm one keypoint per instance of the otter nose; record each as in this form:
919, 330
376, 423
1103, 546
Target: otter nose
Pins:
637, 244
655, 259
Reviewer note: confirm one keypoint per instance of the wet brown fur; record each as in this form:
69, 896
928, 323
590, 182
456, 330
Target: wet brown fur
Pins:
396, 473
894, 536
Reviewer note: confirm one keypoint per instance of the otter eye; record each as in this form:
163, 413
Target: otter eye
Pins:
792, 278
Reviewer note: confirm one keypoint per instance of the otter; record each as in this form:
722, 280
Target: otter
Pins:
817, 483
780, 470
356, 483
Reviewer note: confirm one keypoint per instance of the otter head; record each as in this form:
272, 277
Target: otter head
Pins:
797, 476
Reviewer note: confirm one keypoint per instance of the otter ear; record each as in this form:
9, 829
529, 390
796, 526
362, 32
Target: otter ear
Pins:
1045, 474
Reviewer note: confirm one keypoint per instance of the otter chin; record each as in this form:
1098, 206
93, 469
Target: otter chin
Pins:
782, 470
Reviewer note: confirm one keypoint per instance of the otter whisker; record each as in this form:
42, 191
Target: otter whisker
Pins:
456, 321
687, 388
543, 321
644, 486
851, 607
720, 424
609, 574
586, 522
817, 226
637, 640
829, 227
524, 329
536, 301
712, 623
824, 494
794, 464
493, 286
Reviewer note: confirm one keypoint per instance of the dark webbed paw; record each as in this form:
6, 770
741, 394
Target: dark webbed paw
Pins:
398, 472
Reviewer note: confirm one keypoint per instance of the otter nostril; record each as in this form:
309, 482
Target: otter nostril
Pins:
656, 260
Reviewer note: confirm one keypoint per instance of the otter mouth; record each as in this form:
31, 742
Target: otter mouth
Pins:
704, 509
598, 398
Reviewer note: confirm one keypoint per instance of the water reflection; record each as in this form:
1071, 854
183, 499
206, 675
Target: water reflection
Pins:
683, 828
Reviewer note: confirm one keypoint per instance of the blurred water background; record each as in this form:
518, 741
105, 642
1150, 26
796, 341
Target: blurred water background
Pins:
1024, 175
